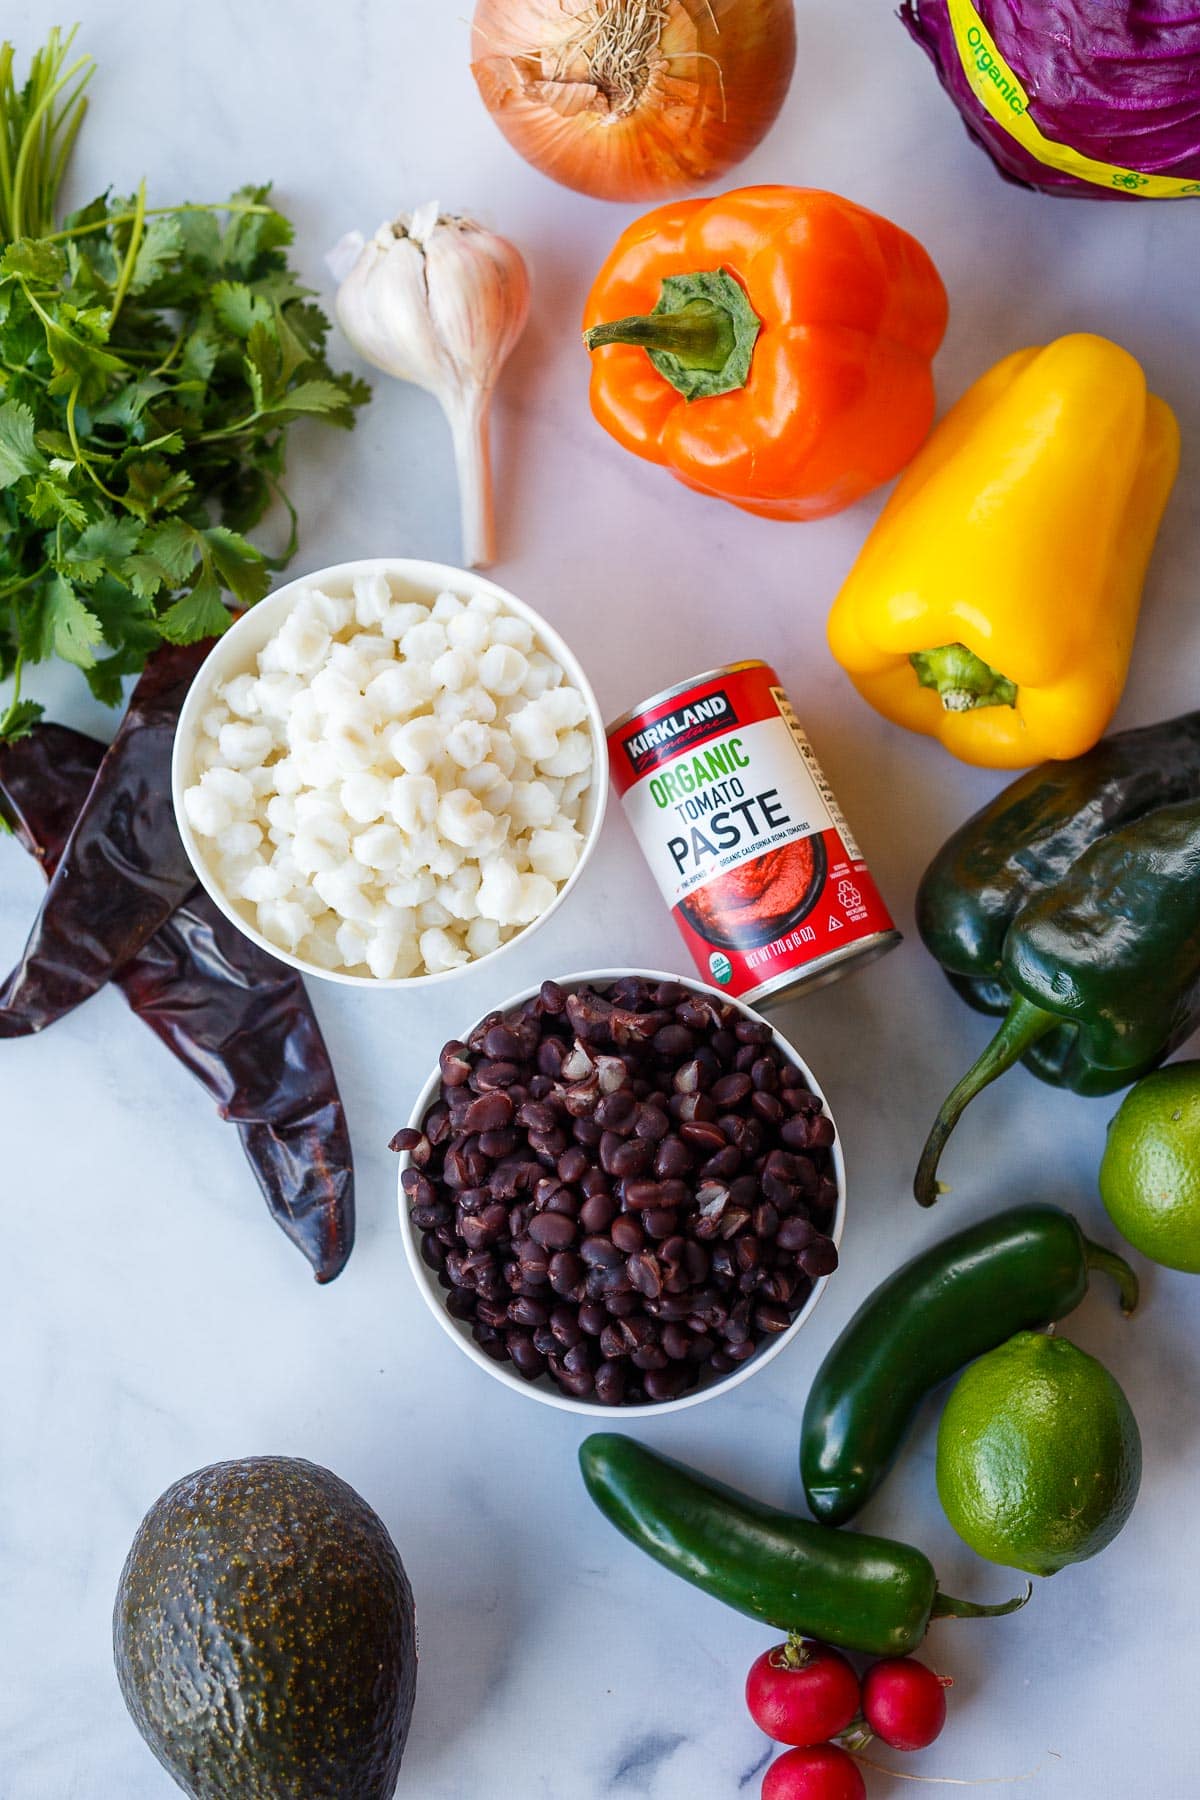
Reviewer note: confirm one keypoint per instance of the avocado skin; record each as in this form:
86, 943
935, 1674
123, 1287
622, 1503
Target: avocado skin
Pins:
265, 1636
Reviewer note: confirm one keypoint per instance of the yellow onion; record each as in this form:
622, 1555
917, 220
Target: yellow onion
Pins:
633, 99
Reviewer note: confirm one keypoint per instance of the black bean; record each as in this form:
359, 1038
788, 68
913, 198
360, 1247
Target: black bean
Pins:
407, 1139
453, 1064
610, 1382
627, 1233
578, 1386
552, 998
601, 1252
572, 1164
622, 1305
667, 1384
721, 1166
767, 1106
488, 1112
771, 1317
702, 1135
765, 1075
461, 1303
524, 1311
820, 1258
821, 1133
592, 1318
660, 1221
672, 1158
794, 1132
598, 1212
795, 1234
645, 1272
649, 1356
564, 1324
612, 1342
496, 1145
731, 1090
553, 1231
752, 1031
527, 1359
652, 1123
676, 1342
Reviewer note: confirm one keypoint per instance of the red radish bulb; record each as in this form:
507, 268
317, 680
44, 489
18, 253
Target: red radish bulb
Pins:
904, 1703
818, 1772
802, 1693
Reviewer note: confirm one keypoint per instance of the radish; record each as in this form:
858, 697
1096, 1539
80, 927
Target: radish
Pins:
817, 1772
904, 1703
802, 1692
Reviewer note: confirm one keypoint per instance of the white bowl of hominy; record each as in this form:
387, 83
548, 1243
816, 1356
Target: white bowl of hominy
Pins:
390, 771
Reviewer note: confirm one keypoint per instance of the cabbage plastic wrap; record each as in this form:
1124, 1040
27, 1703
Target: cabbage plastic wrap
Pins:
1113, 83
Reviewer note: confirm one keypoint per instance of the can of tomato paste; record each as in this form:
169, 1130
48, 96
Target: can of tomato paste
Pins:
744, 835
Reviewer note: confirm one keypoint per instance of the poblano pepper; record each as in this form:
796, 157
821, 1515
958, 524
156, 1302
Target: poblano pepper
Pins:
1103, 969
1026, 839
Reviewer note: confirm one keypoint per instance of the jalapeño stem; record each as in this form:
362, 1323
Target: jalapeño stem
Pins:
1025, 1024
1097, 1257
700, 336
962, 679
945, 1606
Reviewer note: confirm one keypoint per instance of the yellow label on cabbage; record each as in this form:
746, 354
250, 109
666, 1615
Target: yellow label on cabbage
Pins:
999, 91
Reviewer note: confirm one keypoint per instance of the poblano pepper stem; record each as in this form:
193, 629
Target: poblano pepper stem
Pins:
962, 679
700, 336
1022, 1028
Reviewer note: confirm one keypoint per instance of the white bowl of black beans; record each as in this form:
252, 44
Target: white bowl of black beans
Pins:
622, 1189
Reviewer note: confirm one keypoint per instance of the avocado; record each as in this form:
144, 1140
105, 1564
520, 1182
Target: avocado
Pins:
265, 1637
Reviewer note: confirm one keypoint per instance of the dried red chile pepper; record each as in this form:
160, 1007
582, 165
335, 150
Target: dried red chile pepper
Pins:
237, 1019
123, 869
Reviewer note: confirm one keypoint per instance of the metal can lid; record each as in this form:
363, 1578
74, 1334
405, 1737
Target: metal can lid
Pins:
682, 687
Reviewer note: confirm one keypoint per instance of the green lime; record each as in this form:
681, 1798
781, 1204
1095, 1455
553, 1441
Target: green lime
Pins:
1038, 1455
1150, 1175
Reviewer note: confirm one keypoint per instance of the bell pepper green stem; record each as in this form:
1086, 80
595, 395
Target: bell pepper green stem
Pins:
1024, 1025
700, 336
1097, 1257
945, 1606
963, 680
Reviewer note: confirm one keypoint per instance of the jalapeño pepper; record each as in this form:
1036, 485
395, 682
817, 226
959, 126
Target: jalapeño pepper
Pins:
965, 1296
1103, 968
861, 1593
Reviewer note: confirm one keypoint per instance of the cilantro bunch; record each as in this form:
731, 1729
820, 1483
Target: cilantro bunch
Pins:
150, 365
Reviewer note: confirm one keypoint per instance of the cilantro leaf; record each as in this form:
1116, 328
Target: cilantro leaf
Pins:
241, 567
198, 613
238, 309
73, 630
19, 454
18, 722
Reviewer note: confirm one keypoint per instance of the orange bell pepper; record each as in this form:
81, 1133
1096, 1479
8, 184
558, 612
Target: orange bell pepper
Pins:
771, 347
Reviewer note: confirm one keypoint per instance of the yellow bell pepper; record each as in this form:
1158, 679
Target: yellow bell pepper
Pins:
994, 604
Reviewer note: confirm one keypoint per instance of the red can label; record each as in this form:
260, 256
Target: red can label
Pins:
743, 833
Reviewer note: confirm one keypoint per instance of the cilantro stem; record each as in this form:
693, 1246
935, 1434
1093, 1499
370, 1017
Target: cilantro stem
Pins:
131, 255
81, 456
14, 704
156, 212
37, 134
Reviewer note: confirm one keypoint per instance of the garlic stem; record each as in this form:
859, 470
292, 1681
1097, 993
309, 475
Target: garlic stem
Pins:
470, 424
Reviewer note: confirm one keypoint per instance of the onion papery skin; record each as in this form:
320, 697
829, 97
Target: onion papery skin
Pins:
711, 85
1117, 80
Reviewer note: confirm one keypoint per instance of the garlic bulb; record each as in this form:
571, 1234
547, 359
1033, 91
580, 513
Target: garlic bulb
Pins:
441, 302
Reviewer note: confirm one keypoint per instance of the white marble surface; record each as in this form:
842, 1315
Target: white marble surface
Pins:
152, 1317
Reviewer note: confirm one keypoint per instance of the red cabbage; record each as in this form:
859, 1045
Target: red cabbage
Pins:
1117, 80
